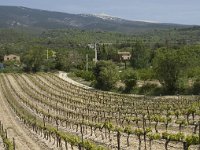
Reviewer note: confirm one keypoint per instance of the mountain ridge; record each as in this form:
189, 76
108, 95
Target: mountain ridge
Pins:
19, 16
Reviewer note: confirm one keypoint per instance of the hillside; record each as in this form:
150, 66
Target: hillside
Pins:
12, 17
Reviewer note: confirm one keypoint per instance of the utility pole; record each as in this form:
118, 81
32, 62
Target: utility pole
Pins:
95, 48
47, 54
86, 62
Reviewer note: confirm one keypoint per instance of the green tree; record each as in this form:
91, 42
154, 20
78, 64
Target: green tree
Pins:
129, 78
106, 75
168, 65
196, 87
33, 60
140, 55
62, 62
102, 55
145, 74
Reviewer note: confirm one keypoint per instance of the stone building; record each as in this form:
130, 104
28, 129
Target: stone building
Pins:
124, 56
11, 57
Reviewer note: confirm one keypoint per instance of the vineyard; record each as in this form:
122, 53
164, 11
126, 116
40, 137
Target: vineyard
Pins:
63, 115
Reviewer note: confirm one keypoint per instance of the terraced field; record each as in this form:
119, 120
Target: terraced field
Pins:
44, 111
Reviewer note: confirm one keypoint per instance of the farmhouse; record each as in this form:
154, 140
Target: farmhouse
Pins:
123, 56
11, 57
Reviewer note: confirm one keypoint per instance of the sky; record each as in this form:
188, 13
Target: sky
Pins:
165, 11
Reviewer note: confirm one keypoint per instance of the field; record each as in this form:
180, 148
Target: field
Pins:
44, 111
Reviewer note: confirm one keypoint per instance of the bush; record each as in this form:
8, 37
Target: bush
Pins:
145, 74
196, 87
78, 73
11, 67
86, 75
150, 89
129, 78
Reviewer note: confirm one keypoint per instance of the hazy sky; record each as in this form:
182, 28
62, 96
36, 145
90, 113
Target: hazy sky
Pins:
168, 11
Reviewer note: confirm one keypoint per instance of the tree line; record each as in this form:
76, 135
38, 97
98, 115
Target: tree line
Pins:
173, 63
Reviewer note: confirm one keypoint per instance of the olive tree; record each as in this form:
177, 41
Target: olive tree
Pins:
106, 75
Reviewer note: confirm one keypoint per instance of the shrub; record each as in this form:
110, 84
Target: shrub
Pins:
78, 73
129, 78
148, 88
86, 75
196, 87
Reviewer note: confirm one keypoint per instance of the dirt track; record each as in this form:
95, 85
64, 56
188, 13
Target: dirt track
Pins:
63, 75
23, 138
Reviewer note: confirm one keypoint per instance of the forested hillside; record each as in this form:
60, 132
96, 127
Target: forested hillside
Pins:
12, 17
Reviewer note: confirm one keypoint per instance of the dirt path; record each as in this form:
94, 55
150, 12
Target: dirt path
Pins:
63, 75
15, 129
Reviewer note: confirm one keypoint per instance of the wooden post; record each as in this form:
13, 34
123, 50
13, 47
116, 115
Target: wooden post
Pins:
82, 133
6, 133
13, 143
118, 140
199, 134
82, 129
44, 120
0, 127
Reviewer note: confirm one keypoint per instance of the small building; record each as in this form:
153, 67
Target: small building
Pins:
123, 56
11, 57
